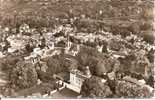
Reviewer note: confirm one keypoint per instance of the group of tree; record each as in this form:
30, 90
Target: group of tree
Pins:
105, 66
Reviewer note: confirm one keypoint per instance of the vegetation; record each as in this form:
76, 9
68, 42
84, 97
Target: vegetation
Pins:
131, 90
123, 28
95, 88
23, 76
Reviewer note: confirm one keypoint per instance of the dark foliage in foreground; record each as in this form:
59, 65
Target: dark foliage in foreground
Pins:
95, 88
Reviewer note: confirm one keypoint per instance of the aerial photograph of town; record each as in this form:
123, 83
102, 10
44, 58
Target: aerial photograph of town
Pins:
77, 49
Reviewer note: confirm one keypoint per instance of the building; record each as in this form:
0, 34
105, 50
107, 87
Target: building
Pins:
18, 42
77, 77
74, 79
33, 58
72, 49
100, 48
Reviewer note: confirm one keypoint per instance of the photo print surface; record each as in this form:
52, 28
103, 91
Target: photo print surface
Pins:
75, 49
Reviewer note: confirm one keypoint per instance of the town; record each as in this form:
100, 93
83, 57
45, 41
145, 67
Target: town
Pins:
77, 57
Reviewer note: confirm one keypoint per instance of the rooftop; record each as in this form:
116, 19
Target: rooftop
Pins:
80, 73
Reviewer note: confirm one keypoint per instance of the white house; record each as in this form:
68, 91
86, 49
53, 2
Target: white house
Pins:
18, 42
77, 77
100, 48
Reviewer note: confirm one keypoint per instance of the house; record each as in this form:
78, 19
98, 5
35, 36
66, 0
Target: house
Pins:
77, 77
33, 58
72, 49
24, 28
51, 45
100, 48
74, 79
38, 51
18, 42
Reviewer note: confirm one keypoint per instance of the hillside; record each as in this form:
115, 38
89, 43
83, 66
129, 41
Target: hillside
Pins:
129, 14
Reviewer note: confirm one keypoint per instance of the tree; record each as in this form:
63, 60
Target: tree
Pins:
55, 64
23, 75
52, 65
131, 90
141, 65
95, 88
137, 65
44, 76
101, 68
134, 28
9, 62
89, 56
115, 45
71, 63
106, 66
150, 55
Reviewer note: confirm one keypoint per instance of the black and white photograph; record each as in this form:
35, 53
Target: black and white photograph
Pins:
77, 49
